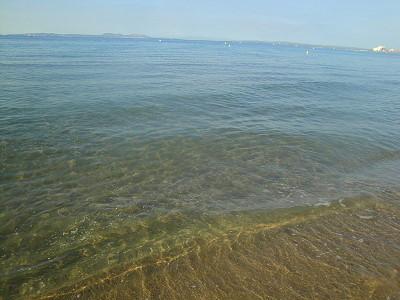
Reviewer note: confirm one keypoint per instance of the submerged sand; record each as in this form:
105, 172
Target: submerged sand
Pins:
345, 250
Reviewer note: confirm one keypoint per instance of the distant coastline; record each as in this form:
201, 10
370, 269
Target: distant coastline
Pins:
143, 36
105, 35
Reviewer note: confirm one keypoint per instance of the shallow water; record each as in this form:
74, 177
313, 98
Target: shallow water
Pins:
113, 151
349, 250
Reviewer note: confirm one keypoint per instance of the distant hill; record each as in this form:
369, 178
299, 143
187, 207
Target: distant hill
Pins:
105, 35
132, 35
142, 36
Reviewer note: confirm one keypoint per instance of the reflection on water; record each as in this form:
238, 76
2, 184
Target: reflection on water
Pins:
173, 172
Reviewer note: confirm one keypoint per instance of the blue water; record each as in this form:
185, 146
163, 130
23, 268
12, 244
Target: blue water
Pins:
97, 133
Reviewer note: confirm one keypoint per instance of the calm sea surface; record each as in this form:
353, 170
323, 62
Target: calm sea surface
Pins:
111, 149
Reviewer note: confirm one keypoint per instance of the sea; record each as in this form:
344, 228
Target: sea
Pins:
173, 169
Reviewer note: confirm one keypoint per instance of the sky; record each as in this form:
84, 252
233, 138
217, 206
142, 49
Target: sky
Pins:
358, 23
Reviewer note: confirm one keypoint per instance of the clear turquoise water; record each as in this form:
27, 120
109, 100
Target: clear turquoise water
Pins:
100, 138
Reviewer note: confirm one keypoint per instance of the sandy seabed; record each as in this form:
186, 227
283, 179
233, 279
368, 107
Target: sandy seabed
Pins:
347, 250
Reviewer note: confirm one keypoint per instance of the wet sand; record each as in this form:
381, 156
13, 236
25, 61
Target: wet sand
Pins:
347, 250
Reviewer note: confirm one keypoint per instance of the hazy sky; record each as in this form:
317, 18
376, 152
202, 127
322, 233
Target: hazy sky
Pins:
363, 23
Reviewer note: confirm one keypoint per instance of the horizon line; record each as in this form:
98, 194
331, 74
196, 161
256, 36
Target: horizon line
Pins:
145, 36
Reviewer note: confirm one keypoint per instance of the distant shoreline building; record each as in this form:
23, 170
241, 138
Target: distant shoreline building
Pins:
383, 49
